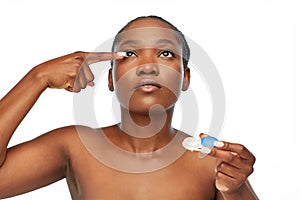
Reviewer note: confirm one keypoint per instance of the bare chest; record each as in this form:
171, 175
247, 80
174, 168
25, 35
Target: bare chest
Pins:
92, 180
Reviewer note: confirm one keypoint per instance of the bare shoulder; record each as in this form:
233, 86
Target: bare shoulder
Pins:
63, 135
79, 141
67, 137
39, 162
58, 141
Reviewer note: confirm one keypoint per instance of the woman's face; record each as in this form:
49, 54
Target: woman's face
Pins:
152, 72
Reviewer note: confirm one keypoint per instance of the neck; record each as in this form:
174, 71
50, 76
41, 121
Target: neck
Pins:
140, 132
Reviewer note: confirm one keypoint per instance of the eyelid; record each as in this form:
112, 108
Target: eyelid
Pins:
130, 50
167, 50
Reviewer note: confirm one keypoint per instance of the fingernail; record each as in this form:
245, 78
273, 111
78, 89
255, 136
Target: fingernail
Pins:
216, 170
91, 84
121, 53
218, 144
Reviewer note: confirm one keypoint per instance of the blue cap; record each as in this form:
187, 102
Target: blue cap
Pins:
208, 141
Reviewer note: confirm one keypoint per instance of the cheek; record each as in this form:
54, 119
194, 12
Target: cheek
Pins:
124, 69
123, 80
117, 72
172, 79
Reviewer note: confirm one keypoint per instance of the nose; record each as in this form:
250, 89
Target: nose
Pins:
147, 69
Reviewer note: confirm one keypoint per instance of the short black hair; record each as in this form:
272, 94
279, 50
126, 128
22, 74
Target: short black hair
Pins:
185, 46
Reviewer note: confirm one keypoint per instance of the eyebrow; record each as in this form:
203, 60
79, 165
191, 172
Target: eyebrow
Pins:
138, 42
167, 41
126, 42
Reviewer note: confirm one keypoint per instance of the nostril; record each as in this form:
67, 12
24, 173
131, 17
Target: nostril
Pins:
148, 69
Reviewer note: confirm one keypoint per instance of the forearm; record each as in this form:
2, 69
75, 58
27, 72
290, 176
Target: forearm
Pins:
16, 104
70, 72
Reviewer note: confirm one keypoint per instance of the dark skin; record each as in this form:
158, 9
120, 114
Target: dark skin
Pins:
220, 175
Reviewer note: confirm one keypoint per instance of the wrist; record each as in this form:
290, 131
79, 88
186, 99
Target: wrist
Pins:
243, 192
231, 196
39, 77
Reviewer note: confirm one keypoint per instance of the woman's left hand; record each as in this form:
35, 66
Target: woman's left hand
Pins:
234, 165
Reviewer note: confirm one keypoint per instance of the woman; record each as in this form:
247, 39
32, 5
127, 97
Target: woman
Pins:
147, 79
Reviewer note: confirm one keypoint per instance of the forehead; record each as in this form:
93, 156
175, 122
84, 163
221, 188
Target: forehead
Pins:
148, 34
148, 37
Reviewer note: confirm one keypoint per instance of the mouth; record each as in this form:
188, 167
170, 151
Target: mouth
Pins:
148, 85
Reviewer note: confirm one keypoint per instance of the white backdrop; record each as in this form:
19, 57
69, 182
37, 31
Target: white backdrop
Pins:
254, 46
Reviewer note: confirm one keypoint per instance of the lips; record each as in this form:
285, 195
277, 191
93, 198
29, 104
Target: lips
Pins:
147, 85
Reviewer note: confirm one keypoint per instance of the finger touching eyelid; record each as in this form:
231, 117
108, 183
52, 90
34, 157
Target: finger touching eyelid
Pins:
121, 53
126, 53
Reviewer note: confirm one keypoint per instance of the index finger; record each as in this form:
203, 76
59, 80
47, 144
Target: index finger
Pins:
93, 57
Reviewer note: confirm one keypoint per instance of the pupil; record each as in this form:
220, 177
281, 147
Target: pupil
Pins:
128, 53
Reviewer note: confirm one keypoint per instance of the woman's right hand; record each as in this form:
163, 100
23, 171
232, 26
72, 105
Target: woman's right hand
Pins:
72, 71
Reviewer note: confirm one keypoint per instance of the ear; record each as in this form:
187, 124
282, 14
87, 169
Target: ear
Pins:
110, 80
186, 79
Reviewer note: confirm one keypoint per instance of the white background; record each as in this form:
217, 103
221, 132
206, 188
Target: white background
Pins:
254, 46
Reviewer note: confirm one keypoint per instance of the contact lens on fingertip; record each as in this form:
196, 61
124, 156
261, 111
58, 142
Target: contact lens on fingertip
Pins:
121, 53
209, 141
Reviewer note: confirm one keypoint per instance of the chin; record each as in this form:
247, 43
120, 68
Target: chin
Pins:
141, 102
144, 105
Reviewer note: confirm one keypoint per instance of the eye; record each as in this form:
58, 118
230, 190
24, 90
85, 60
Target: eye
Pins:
130, 53
166, 54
